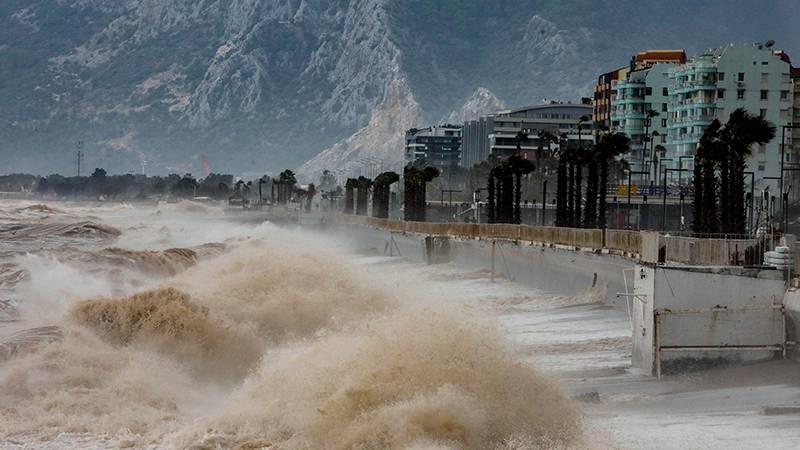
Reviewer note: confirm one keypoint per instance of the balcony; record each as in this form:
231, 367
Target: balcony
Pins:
620, 116
691, 104
629, 100
692, 86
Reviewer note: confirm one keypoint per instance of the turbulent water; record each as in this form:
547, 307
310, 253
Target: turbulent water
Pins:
170, 327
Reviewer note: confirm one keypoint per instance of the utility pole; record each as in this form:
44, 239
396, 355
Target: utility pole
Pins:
79, 155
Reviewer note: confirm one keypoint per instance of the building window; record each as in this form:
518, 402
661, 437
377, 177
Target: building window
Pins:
740, 94
764, 78
663, 107
665, 92
763, 113
761, 167
741, 76
648, 91
721, 76
764, 94
720, 93
784, 95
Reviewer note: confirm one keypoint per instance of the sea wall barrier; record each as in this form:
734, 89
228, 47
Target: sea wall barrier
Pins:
682, 315
630, 243
556, 269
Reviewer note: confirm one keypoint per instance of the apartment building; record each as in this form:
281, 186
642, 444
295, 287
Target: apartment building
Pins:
639, 105
439, 146
496, 134
717, 82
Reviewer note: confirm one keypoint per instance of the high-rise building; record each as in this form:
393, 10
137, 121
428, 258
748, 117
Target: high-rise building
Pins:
717, 82
496, 134
666, 100
439, 146
794, 75
604, 97
475, 141
639, 104
792, 135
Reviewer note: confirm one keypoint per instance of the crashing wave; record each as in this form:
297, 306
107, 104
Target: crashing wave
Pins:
167, 262
27, 340
39, 208
167, 321
44, 230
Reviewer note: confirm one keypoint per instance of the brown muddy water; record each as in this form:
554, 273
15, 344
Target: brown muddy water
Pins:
170, 327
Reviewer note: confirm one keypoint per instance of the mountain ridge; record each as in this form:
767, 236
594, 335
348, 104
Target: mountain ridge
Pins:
262, 85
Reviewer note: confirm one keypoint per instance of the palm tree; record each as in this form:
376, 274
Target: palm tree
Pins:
491, 207
410, 176
415, 180
649, 115
545, 137
285, 184
362, 195
562, 183
561, 192
610, 146
381, 193
711, 153
570, 156
349, 187
519, 167
428, 174
580, 160
590, 210
740, 133
310, 193
698, 224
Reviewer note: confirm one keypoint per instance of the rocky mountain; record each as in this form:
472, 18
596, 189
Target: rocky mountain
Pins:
255, 86
481, 103
378, 146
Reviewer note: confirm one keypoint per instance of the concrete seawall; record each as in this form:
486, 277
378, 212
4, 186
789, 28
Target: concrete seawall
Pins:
561, 271
690, 316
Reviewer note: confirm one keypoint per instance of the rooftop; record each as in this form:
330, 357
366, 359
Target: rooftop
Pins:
676, 55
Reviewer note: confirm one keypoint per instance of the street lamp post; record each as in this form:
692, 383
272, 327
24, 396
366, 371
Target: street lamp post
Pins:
771, 213
628, 212
544, 202
783, 157
664, 197
652, 155
680, 166
752, 198
785, 200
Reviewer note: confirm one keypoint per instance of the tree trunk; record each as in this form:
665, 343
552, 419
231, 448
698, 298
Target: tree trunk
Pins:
603, 188
590, 209
508, 196
578, 194
698, 224
491, 209
518, 198
422, 211
710, 210
738, 214
570, 216
561, 194
348, 199
725, 206
408, 197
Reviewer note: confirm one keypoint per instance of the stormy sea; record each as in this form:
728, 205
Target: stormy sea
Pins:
174, 326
